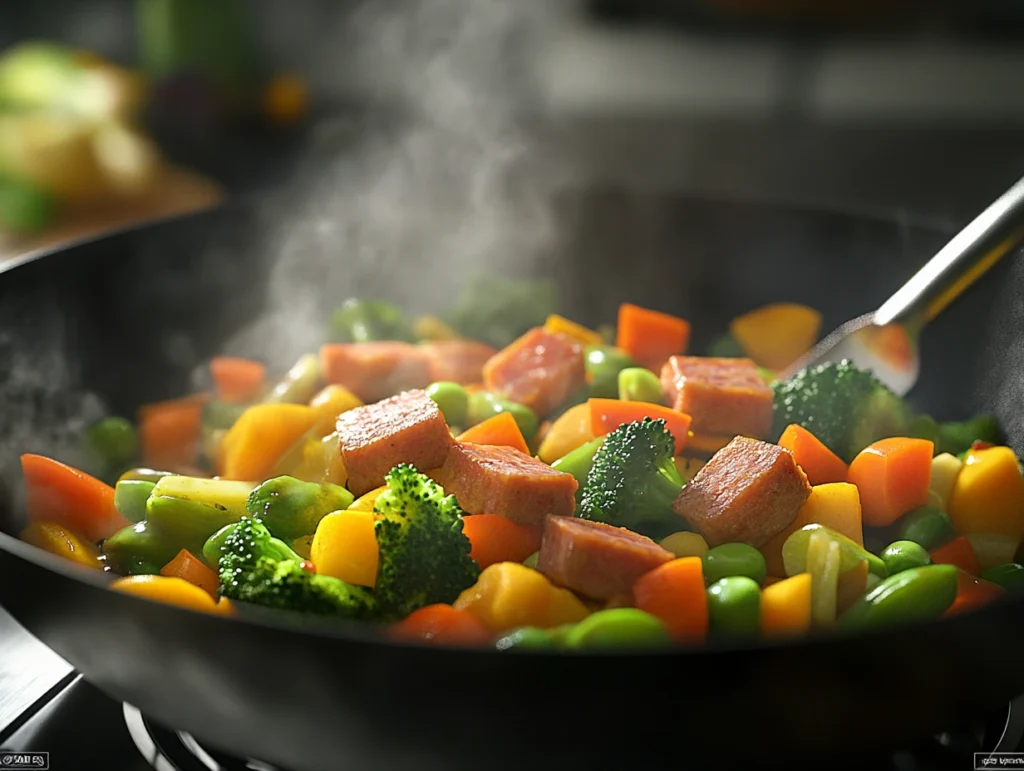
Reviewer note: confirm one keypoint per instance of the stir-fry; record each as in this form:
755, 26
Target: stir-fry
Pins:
564, 489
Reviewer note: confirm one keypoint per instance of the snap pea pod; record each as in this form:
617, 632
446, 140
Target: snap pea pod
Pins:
917, 594
794, 552
130, 496
1009, 576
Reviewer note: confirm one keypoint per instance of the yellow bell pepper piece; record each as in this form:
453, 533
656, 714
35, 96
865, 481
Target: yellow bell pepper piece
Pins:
433, 329
786, 606
835, 505
988, 494
328, 405
321, 461
345, 546
365, 502
556, 324
776, 335
57, 539
509, 595
945, 470
685, 544
259, 438
570, 430
172, 591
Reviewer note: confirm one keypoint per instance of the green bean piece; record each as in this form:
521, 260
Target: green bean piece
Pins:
526, 638
916, 594
453, 401
300, 383
928, 526
1009, 576
734, 606
903, 555
531, 561
638, 384
617, 628
734, 559
604, 363
130, 496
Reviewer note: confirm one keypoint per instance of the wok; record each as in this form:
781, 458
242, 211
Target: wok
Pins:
128, 317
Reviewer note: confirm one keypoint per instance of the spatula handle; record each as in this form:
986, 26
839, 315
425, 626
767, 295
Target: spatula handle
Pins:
961, 262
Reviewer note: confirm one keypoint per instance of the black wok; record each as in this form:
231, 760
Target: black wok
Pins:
321, 698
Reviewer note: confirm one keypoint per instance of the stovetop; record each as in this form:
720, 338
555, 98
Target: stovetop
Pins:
75, 726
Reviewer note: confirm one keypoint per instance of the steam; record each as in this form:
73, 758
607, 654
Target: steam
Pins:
444, 177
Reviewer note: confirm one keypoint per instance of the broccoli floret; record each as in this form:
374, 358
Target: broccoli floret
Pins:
424, 555
846, 408
257, 568
633, 480
365, 321
496, 309
243, 544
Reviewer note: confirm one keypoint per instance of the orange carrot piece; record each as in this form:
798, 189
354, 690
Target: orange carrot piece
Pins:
650, 336
68, 497
494, 538
237, 379
892, 476
500, 429
674, 592
193, 570
957, 552
606, 415
444, 625
820, 464
169, 431
973, 592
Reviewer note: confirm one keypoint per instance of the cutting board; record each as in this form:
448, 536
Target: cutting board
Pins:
176, 191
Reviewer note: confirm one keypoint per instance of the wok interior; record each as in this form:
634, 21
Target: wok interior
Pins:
131, 317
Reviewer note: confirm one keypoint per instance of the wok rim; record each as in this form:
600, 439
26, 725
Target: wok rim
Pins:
366, 632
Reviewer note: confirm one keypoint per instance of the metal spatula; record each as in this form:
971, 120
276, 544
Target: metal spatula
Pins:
885, 340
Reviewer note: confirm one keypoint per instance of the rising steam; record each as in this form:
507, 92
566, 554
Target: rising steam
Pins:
443, 175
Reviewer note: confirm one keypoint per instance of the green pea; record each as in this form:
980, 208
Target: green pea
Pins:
604, 363
130, 496
734, 559
527, 638
928, 526
638, 384
1010, 576
617, 628
483, 405
531, 561
111, 442
453, 401
734, 606
221, 415
903, 555
726, 347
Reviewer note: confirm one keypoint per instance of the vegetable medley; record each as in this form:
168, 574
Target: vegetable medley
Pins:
556, 488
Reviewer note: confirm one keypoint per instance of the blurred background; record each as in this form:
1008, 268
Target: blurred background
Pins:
113, 111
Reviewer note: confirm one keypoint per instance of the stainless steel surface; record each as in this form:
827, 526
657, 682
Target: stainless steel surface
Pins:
998, 230
28, 669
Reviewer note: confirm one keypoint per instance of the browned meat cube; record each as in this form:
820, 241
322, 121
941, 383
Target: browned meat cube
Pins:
723, 396
407, 428
374, 371
595, 559
749, 491
458, 361
539, 370
489, 479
